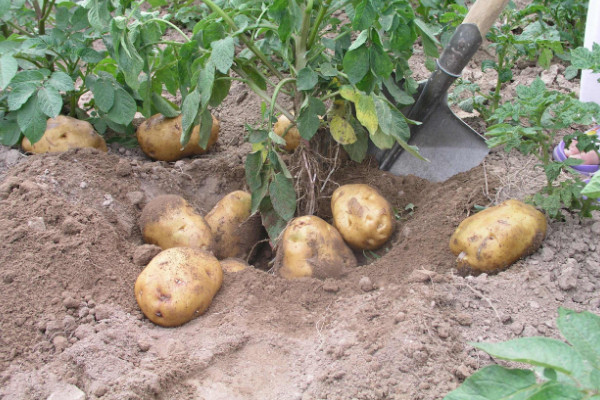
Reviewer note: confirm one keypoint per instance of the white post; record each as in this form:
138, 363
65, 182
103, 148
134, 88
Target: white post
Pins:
590, 87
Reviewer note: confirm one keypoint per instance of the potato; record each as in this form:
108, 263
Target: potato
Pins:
234, 230
310, 246
178, 285
159, 138
64, 133
364, 217
292, 137
233, 265
169, 221
494, 238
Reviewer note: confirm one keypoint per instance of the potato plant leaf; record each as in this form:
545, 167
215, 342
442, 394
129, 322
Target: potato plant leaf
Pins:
307, 79
365, 112
382, 140
163, 106
283, 196
49, 101
103, 91
19, 95
358, 150
308, 120
61, 82
9, 132
391, 120
124, 107
342, 131
582, 330
8, 69
222, 54
253, 167
271, 220
205, 128
356, 64
592, 189
364, 15
31, 120
189, 110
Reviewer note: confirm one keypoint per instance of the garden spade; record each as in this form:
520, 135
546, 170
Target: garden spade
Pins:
449, 145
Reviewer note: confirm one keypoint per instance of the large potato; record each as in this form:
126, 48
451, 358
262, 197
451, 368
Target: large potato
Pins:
235, 231
169, 221
64, 133
233, 265
494, 238
310, 246
364, 217
159, 138
178, 285
292, 136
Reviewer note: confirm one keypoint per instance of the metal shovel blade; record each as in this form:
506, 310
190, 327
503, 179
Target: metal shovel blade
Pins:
448, 143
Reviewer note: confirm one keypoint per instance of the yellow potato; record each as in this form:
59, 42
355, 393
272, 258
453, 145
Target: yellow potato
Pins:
494, 238
159, 138
310, 246
64, 133
234, 229
292, 137
178, 285
233, 265
169, 221
363, 216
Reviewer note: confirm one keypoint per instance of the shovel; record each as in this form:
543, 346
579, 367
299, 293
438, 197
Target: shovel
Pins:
449, 144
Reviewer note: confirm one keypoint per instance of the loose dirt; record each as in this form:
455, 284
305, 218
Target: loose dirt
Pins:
396, 327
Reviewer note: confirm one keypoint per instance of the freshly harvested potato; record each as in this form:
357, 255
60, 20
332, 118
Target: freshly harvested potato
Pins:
292, 137
233, 264
310, 246
64, 133
494, 238
234, 229
159, 138
169, 221
362, 215
178, 285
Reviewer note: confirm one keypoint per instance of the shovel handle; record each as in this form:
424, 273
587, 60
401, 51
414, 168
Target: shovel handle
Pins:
484, 13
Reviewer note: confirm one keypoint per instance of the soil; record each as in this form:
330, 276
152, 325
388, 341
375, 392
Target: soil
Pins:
396, 327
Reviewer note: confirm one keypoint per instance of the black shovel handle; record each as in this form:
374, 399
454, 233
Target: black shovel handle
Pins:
463, 45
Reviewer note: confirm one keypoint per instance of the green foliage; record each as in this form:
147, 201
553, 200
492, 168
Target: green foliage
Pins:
561, 370
530, 124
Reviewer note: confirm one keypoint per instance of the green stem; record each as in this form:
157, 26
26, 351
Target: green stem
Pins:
73, 104
187, 39
496, 96
169, 42
276, 93
315, 30
243, 38
329, 96
301, 44
19, 29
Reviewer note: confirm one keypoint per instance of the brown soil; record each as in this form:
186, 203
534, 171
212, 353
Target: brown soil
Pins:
395, 327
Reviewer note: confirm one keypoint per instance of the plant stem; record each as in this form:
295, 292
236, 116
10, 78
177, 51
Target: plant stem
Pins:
315, 30
243, 38
276, 92
329, 96
187, 39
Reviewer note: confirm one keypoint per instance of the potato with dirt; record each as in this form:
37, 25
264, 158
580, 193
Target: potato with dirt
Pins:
283, 127
64, 133
235, 231
309, 246
170, 221
363, 217
231, 265
159, 138
496, 237
178, 285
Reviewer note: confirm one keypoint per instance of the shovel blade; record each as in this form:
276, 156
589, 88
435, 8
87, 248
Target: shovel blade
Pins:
450, 145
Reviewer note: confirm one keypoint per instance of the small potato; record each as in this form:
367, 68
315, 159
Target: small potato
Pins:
493, 239
178, 285
364, 217
169, 221
64, 133
159, 138
310, 246
292, 137
234, 265
234, 229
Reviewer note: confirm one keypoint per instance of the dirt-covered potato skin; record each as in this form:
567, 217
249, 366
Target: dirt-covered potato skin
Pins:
310, 246
178, 285
64, 133
159, 138
170, 221
235, 231
231, 265
292, 137
494, 238
363, 217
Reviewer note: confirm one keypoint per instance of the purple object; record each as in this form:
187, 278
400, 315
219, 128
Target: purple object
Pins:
559, 155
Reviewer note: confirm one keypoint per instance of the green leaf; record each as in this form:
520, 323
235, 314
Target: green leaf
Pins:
8, 69
391, 120
364, 15
348, 93
31, 120
307, 79
381, 140
356, 64
342, 131
123, 109
271, 220
222, 54
360, 40
30, 77
61, 82
365, 112
399, 95
358, 150
10, 133
283, 196
104, 93
275, 138
592, 189
496, 383
582, 330
538, 351
308, 120
19, 96
258, 195
430, 42
220, 91
164, 106
4, 8
253, 167
130, 62
381, 64
557, 391
49, 101
206, 80
189, 110
205, 129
